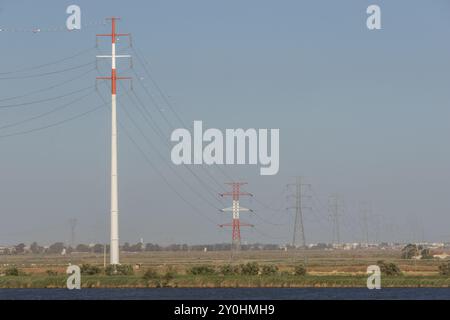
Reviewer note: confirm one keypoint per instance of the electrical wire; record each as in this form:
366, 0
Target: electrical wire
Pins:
52, 124
7, 106
44, 74
146, 67
49, 63
207, 188
162, 157
170, 125
57, 85
41, 115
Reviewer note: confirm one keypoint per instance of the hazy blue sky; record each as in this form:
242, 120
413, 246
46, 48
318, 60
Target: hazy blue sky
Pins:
361, 113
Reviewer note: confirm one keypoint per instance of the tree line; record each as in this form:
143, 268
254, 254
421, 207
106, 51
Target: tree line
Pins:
62, 248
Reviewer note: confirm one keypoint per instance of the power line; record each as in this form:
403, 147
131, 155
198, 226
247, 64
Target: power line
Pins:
146, 68
49, 63
43, 74
59, 84
15, 105
146, 115
162, 157
52, 124
170, 125
41, 115
163, 177
190, 187
37, 30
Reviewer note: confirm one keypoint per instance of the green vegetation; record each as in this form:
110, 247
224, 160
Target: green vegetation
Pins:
413, 250
90, 270
150, 274
389, 268
12, 271
444, 269
119, 270
229, 269
269, 270
51, 273
300, 270
202, 270
170, 273
279, 280
249, 269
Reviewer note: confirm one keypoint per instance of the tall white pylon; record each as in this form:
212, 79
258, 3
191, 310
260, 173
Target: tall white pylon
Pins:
114, 246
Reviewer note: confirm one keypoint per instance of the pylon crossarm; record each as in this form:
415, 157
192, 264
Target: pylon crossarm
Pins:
243, 224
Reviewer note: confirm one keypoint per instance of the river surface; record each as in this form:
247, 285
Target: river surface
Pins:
228, 293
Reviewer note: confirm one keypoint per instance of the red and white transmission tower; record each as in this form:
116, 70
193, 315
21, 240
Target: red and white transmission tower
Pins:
236, 209
114, 247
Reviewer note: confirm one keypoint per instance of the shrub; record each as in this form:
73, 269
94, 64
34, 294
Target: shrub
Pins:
250, 269
228, 270
51, 273
89, 270
119, 270
389, 268
409, 251
150, 274
125, 270
110, 270
299, 270
426, 254
444, 269
269, 270
201, 270
170, 273
12, 271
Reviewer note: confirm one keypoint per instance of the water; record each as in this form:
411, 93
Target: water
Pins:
229, 293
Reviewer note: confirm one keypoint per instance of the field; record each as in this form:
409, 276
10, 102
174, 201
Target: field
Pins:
336, 268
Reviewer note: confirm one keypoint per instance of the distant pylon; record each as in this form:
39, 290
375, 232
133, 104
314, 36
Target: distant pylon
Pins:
365, 211
236, 209
335, 208
73, 224
114, 247
299, 228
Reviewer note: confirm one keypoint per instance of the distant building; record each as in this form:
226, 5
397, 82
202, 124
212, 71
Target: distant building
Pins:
441, 256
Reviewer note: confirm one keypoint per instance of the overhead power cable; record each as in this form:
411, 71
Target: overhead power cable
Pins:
43, 74
30, 68
54, 124
6, 106
146, 68
59, 84
41, 115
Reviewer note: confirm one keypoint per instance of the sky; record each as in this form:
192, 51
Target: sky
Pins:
362, 114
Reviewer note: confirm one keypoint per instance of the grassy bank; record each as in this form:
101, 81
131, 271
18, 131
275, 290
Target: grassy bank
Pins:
218, 281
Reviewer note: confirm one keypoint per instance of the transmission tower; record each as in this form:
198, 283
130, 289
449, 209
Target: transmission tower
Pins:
114, 247
335, 207
299, 228
72, 224
236, 193
365, 211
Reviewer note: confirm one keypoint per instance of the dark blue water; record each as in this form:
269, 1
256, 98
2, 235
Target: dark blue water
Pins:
229, 293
